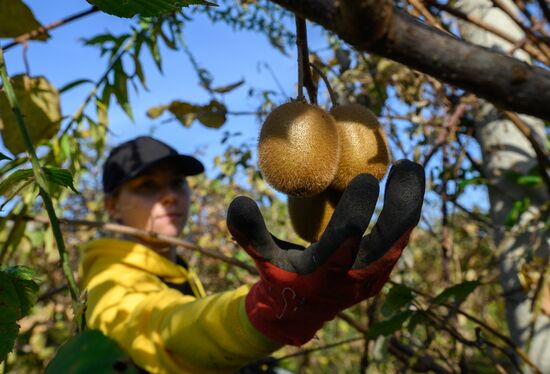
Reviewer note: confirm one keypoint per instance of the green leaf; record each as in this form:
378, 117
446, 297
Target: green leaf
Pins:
14, 180
130, 8
121, 90
90, 352
40, 105
65, 147
26, 283
397, 298
73, 84
475, 181
229, 87
415, 320
139, 71
458, 292
16, 19
59, 176
100, 39
9, 305
213, 115
519, 207
389, 326
4, 157
154, 49
530, 180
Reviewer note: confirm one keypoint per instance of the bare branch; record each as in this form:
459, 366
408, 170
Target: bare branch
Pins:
122, 229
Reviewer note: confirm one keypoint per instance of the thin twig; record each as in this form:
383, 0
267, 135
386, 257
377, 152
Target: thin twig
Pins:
427, 14
332, 94
144, 234
43, 30
532, 50
530, 34
327, 346
299, 42
301, 31
521, 353
545, 9
423, 362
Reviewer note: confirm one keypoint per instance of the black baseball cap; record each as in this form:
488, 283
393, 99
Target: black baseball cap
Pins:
130, 159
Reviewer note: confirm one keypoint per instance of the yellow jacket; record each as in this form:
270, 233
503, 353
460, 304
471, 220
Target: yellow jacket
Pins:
163, 330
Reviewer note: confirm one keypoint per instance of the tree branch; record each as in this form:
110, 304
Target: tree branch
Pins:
127, 230
504, 81
545, 9
42, 30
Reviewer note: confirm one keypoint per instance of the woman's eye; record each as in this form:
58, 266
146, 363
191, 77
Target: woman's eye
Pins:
146, 187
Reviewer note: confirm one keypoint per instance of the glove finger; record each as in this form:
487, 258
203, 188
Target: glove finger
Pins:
247, 226
401, 212
339, 243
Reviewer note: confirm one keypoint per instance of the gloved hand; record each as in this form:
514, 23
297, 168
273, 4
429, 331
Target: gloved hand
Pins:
302, 288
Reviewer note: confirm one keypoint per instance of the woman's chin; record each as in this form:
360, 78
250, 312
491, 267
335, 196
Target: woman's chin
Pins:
169, 231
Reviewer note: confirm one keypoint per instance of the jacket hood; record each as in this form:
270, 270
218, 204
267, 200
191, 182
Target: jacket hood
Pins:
102, 252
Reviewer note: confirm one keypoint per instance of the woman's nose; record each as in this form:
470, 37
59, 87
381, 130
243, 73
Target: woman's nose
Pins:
169, 194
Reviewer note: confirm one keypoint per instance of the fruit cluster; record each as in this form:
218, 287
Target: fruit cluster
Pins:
311, 155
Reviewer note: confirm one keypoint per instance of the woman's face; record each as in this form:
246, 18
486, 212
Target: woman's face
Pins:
156, 201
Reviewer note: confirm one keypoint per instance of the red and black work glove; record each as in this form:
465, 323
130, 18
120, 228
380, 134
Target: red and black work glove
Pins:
302, 288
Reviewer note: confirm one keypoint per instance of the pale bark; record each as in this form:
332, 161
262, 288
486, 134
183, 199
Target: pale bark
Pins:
506, 149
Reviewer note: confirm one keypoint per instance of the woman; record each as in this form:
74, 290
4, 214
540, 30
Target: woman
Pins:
141, 295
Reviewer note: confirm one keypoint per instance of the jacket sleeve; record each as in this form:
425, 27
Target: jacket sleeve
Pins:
165, 331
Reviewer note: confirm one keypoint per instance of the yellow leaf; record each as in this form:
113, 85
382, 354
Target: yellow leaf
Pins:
156, 111
180, 109
39, 103
17, 19
184, 112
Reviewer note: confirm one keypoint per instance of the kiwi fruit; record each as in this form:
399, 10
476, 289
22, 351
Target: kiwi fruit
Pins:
363, 144
298, 149
310, 215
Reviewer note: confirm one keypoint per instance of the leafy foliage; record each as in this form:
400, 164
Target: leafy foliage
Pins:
389, 326
450, 251
211, 115
19, 292
79, 355
458, 292
129, 9
16, 18
39, 100
398, 297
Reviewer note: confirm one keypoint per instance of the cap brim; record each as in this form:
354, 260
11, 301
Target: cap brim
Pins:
188, 165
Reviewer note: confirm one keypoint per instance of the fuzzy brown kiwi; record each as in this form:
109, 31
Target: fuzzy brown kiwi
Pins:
298, 149
310, 215
363, 144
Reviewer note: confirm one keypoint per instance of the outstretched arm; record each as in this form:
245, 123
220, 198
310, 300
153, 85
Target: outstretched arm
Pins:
300, 289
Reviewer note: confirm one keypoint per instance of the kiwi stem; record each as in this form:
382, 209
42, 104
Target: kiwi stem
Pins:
304, 72
332, 94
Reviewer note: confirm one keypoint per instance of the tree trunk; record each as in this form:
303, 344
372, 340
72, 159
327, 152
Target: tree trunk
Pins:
505, 149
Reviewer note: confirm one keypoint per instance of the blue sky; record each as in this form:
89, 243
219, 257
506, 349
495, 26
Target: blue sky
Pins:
229, 55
